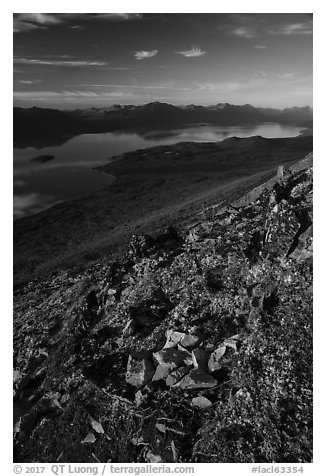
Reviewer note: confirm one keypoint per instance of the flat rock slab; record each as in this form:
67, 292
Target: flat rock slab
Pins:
196, 379
139, 372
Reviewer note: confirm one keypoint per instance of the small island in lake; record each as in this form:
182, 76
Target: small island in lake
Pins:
43, 158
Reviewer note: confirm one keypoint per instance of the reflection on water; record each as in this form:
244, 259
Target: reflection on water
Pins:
41, 184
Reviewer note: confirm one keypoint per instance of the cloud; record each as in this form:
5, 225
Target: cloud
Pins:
31, 21
244, 32
48, 62
193, 53
258, 25
140, 55
32, 81
225, 87
260, 47
303, 28
132, 86
287, 75
76, 96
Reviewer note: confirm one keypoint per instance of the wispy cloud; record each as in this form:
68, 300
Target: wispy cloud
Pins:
31, 21
140, 55
287, 75
244, 32
193, 53
78, 97
260, 47
224, 87
49, 62
77, 27
253, 26
303, 28
294, 79
31, 82
132, 86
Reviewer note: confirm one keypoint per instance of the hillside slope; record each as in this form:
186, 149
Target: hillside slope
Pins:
196, 346
154, 187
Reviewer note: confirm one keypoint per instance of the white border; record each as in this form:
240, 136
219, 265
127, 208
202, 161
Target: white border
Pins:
169, 6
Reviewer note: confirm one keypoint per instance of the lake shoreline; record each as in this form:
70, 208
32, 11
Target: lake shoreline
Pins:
145, 198
68, 176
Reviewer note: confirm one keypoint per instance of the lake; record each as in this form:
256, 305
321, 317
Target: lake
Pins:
64, 172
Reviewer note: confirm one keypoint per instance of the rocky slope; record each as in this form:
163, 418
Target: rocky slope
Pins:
195, 346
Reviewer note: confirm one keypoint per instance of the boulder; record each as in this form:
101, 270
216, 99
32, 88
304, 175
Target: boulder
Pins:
190, 341
162, 371
196, 379
215, 357
139, 372
173, 338
201, 402
280, 171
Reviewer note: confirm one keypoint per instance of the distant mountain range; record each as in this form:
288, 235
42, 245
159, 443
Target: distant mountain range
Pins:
41, 122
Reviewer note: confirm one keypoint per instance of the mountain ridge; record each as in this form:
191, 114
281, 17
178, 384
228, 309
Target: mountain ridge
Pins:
39, 122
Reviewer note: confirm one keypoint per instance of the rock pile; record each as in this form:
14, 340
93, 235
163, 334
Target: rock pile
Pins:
183, 362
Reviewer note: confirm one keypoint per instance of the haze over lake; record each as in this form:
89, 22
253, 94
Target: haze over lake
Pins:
39, 185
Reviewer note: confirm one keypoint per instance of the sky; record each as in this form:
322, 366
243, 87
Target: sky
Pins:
80, 60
